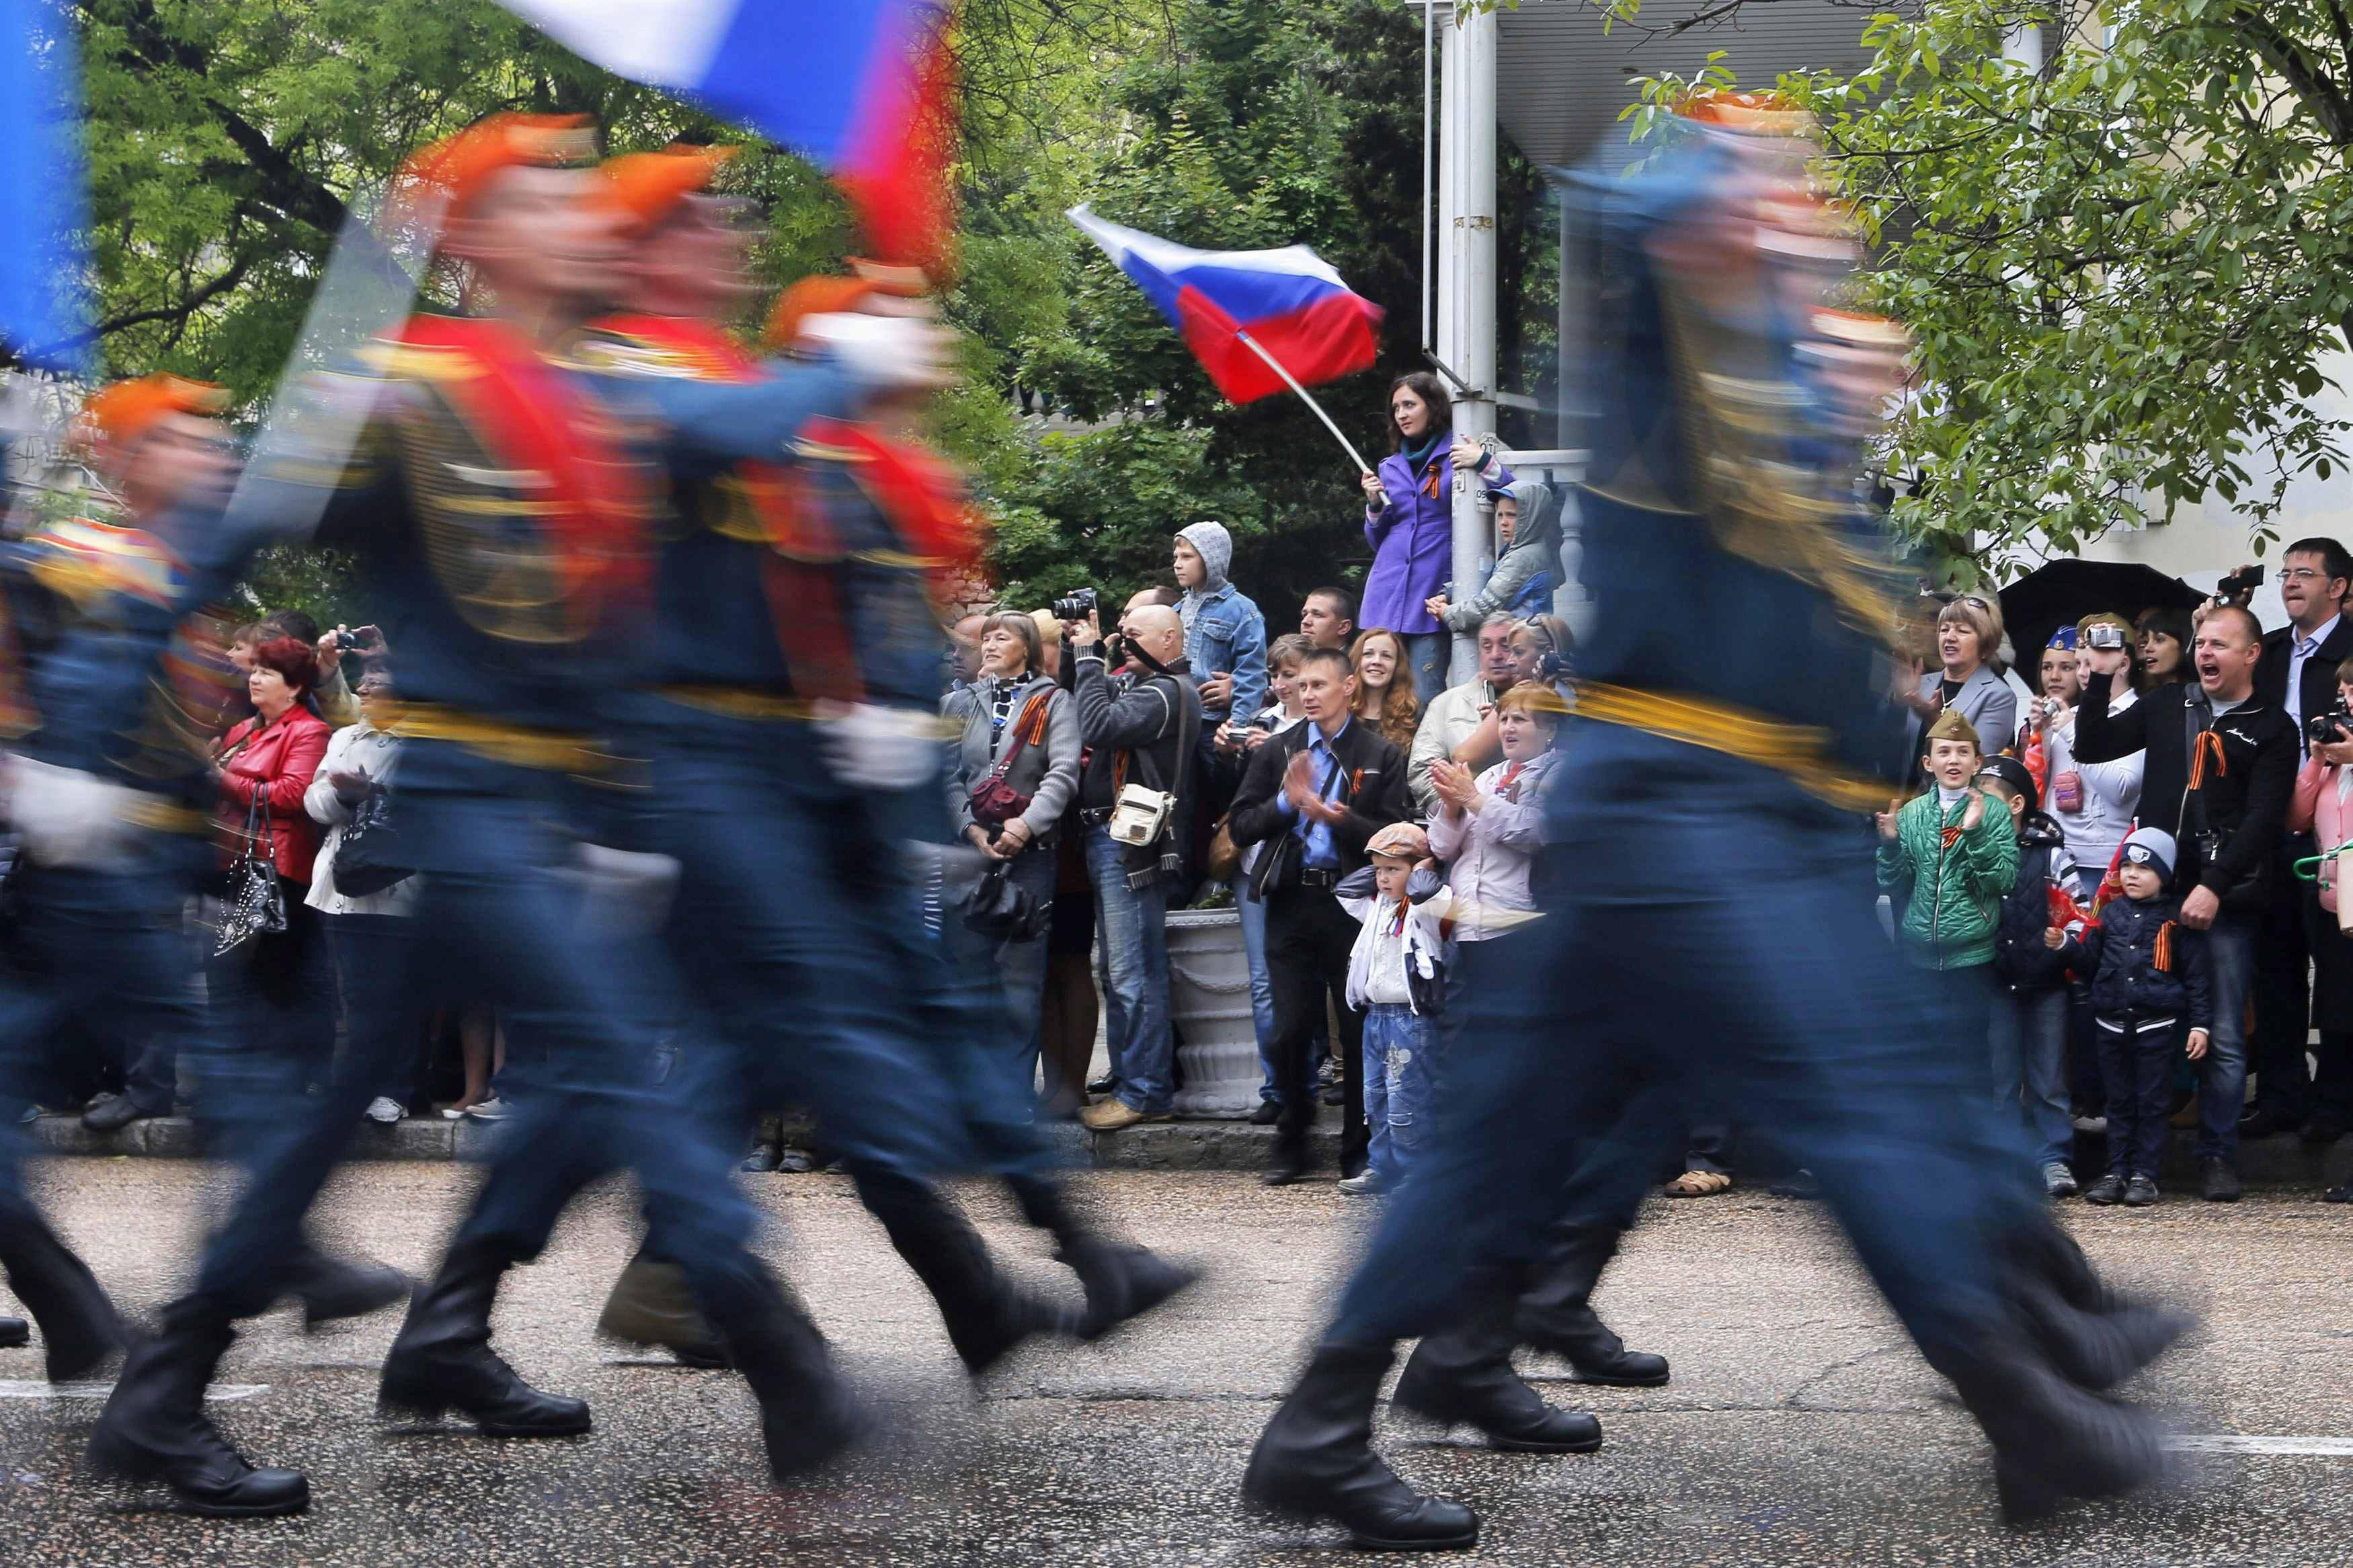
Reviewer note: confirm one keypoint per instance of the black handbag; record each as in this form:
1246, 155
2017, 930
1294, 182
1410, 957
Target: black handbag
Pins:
252, 903
367, 857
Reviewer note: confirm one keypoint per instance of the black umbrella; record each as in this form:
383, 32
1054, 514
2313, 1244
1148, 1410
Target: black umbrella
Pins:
2064, 592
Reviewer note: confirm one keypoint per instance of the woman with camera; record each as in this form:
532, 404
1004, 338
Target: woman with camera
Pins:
1017, 770
2094, 802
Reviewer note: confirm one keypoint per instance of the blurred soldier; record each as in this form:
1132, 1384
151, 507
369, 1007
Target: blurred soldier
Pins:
497, 503
103, 689
791, 673
1724, 944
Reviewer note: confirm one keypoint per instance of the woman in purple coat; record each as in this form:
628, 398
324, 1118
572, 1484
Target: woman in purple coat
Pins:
1410, 521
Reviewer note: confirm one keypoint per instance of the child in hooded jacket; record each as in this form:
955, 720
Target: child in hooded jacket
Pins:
2028, 1035
2149, 974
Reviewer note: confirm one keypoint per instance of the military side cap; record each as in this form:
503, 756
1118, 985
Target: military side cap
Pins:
644, 188
1951, 726
827, 295
458, 167
119, 416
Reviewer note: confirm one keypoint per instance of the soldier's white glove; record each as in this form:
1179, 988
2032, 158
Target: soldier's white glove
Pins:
889, 353
66, 817
882, 748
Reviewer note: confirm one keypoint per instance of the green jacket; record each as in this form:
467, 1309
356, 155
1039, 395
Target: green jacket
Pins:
1957, 892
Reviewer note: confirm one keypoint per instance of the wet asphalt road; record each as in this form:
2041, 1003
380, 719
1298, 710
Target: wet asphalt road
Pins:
1800, 1428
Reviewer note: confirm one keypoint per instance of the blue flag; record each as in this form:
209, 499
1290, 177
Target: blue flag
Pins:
41, 262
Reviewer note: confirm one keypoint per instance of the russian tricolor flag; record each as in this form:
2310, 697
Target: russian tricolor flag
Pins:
859, 88
1290, 301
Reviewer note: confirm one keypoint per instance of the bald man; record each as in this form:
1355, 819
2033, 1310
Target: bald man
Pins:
1141, 725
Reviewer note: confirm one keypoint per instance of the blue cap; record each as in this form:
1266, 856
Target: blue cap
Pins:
2063, 637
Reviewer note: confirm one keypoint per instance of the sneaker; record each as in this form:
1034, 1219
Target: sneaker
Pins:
30, 1114
2109, 1189
2058, 1181
2096, 1126
491, 1110
2140, 1192
1366, 1184
2219, 1179
765, 1158
385, 1110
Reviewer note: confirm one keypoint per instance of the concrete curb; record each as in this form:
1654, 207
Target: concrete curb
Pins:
2281, 1161
1154, 1146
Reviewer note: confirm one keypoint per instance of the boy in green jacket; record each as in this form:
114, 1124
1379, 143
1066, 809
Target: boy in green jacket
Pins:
1958, 858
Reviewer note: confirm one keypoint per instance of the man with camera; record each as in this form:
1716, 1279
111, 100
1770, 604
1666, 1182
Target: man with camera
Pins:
1315, 796
1141, 726
2221, 765
2296, 673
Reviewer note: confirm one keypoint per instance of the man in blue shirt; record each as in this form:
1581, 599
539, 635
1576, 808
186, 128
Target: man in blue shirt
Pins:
1315, 795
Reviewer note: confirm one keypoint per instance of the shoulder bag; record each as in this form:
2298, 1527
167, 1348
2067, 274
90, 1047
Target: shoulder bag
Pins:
367, 857
995, 803
253, 902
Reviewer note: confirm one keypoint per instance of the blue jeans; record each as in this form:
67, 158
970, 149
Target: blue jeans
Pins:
1132, 972
2028, 1037
2222, 1076
1722, 939
1398, 1045
1427, 654
1253, 915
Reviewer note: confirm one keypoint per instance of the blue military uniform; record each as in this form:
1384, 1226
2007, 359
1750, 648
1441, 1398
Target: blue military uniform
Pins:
1714, 914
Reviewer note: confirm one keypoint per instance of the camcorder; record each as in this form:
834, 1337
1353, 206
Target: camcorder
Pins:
2106, 634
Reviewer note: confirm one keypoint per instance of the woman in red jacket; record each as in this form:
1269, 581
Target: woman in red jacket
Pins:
271, 990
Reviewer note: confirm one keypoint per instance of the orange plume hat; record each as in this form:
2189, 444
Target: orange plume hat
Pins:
458, 167
644, 188
119, 415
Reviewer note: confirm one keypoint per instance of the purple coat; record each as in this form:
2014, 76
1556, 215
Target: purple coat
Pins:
1413, 545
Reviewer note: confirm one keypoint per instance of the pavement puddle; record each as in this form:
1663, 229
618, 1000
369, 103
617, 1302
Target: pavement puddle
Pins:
220, 1392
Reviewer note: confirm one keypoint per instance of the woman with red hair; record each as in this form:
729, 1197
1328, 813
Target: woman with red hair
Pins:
270, 989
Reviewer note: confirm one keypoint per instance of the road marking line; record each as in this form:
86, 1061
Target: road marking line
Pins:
219, 1392
2227, 1443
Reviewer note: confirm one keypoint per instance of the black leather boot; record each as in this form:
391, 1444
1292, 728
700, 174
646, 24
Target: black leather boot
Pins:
2051, 1440
2094, 1337
332, 1288
985, 1314
443, 1357
1316, 1461
1463, 1376
153, 1427
1123, 1280
650, 1305
806, 1413
78, 1326
1554, 1313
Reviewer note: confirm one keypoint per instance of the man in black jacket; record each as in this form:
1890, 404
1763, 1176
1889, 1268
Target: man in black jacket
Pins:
1315, 795
1140, 727
2222, 765
2297, 674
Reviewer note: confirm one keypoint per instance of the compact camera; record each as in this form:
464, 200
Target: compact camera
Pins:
2240, 587
2106, 634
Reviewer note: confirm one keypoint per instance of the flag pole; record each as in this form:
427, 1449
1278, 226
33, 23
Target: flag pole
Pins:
1258, 349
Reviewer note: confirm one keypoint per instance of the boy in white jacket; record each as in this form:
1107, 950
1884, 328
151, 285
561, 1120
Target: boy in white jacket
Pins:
1396, 971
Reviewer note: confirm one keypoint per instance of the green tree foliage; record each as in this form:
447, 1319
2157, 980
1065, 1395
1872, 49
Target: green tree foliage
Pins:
2124, 268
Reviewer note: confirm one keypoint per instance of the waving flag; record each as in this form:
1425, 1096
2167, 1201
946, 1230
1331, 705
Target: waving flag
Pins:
859, 88
41, 265
1290, 302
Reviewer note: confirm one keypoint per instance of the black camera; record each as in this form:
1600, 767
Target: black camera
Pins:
346, 641
2240, 587
1075, 606
1552, 667
2328, 728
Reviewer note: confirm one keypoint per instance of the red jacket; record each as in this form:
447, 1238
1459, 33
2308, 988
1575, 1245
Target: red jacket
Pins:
281, 759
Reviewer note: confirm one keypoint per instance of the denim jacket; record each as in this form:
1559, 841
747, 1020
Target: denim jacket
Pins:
1228, 635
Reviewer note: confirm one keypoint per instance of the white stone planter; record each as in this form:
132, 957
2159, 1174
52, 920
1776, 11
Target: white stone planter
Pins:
1209, 1004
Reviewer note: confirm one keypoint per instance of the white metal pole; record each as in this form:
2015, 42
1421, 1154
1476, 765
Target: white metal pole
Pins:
1429, 153
1472, 217
1450, 193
